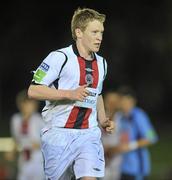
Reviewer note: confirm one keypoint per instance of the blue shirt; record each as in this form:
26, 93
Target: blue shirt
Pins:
132, 128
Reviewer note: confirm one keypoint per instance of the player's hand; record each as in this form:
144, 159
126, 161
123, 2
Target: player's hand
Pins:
123, 148
79, 94
108, 125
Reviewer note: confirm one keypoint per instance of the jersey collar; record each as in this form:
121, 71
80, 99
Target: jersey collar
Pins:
75, 50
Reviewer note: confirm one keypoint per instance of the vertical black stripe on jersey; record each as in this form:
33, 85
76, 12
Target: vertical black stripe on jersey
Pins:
80, 118
82, 111
55, 83
89, 66
104, 68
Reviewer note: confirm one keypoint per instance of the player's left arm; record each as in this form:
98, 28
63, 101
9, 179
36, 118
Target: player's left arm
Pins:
146, 132
107, 124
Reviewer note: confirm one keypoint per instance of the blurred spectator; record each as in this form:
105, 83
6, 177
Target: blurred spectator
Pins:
136, 132
7, 165
25, 129
112, 168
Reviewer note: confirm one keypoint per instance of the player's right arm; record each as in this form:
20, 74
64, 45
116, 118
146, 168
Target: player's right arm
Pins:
42, 92
46, 74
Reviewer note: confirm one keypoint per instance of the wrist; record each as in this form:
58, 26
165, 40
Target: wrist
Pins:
133, 145
65, 94
104, 123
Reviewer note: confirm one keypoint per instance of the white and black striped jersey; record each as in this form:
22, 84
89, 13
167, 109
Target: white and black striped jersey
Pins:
66, 69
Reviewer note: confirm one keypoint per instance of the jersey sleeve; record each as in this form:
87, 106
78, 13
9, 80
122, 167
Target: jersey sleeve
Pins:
49, 69
104, 76
145, 128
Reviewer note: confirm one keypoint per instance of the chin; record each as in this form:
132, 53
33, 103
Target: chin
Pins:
96, 50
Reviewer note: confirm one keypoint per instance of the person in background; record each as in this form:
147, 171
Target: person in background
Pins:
136, 133
25, 130
112, 168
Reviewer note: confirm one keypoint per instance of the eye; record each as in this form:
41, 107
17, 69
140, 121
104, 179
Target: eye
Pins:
94, 32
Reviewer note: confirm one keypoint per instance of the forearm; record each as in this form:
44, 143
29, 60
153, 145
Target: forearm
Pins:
101, 111
143, 142
133, 145
41, 92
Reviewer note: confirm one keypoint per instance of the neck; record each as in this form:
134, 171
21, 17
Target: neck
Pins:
83, 52
26, 116
127, 111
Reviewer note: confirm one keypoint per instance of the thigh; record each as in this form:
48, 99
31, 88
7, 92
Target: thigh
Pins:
90, 161
88, 178
57, 155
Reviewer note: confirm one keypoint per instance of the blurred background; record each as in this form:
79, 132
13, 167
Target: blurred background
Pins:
137, 45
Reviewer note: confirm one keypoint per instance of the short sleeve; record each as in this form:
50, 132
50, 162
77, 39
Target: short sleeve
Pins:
104, 76
145, 127
49, 69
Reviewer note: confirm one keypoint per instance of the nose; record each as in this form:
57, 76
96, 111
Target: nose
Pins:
99, 36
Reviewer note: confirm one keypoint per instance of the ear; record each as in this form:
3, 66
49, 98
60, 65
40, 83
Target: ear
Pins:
78, 33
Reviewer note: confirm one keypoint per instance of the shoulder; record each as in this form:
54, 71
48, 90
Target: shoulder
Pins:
140, 114
100, 58
16, 118
58, 55
61, 55
102, 61
66, 51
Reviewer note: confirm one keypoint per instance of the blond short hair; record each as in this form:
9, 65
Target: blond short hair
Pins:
82, 17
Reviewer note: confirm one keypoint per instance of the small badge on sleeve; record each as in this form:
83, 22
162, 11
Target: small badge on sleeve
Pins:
39, 75
44, 66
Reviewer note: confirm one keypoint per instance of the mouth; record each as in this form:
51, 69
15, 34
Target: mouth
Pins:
97, 44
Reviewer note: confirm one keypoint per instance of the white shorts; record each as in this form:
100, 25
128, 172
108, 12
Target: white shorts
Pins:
72, 151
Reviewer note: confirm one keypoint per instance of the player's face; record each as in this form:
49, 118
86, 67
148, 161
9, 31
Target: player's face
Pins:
126, 103
92, 36
28, 107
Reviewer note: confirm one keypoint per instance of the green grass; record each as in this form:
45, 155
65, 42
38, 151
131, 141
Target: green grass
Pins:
161, 156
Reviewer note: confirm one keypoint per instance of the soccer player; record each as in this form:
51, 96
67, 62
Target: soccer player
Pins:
25, 129
113, 162
136, 133
70, 80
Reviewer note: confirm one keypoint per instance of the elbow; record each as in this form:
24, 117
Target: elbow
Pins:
30, 92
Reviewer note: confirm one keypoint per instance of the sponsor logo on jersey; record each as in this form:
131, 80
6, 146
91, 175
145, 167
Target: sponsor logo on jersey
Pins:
92, 94
89, 101
44, 66
89, 69
89, 79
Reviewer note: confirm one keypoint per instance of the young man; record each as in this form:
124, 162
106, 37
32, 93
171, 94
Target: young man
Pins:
70, 80
136, 133
112, 168
25, 129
